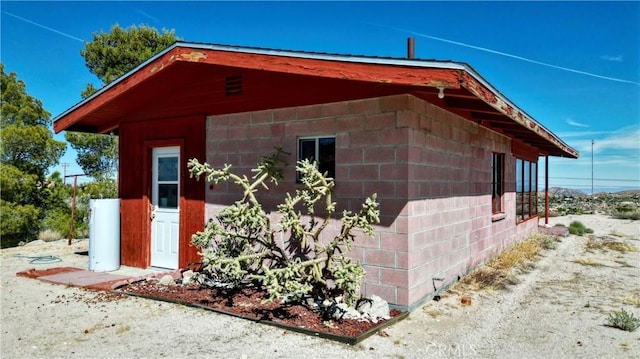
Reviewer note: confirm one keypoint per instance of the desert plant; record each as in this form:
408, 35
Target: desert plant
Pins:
548, 242
239, 246
594, 242
500, 272
624, 320
633, 299
577, 228
520, 253
49, 235
626, 210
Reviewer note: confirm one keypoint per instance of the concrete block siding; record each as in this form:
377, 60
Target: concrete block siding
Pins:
431, 171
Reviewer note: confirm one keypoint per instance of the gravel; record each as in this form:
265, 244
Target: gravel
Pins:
559, 309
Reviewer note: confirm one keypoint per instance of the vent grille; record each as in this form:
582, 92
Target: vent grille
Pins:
233, 85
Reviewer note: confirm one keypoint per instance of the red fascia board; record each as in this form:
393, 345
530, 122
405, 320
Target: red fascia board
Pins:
119, 88
344, 70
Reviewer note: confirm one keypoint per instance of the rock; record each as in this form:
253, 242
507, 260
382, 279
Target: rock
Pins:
374, 308
465, 300
37, 242
187, 277
343, 311
311, 303
167, 280
326, 303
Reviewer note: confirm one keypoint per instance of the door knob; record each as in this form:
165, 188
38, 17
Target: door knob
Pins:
153, 212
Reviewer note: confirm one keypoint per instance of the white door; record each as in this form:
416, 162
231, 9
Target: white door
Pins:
165, 201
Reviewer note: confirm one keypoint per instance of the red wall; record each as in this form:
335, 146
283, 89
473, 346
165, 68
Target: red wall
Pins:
136, 142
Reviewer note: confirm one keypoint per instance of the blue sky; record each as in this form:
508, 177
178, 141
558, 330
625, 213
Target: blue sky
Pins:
572, 66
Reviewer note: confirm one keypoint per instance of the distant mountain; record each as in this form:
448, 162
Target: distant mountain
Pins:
567, 192
629, 193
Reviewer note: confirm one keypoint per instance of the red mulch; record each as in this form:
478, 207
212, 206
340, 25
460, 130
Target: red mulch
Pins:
247, 303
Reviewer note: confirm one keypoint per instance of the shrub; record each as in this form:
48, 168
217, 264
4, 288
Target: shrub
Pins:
239, 246
635, 215
624, 320
598, 243
577, 228
625, 210
49, 235
499, 272
19, 223
548, 242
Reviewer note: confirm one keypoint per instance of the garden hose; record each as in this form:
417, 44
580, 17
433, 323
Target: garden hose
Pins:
40, 259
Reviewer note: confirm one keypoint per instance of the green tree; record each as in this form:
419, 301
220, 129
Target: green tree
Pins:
109, 56
97, 154
27, 151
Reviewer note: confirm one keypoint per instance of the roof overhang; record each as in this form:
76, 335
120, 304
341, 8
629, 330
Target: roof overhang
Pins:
192, 79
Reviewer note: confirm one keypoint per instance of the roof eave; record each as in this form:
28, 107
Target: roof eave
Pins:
469, 79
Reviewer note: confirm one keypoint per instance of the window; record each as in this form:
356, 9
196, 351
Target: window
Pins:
322, 150
526, 189
497, 182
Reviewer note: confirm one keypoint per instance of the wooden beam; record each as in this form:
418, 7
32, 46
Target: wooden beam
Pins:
502, 106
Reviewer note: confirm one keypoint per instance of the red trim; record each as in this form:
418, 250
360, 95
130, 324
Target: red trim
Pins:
136, 143
380, 73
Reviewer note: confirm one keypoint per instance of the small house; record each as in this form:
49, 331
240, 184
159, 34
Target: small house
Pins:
453, 161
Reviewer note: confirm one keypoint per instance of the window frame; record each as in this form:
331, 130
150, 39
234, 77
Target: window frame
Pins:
526, 190
497, 183
317, 139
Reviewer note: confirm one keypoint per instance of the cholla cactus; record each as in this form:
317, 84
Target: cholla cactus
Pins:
238, 247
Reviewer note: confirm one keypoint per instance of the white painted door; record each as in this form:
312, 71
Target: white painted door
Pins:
165, 201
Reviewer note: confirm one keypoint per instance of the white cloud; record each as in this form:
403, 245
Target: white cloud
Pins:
618, 58
576, 123
581, 134
627, 138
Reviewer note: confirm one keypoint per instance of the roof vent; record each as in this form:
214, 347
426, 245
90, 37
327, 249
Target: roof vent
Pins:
233, 85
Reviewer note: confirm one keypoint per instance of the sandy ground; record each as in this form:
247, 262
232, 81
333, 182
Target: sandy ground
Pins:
559, 309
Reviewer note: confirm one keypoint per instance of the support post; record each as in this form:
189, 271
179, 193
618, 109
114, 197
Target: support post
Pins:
546, 189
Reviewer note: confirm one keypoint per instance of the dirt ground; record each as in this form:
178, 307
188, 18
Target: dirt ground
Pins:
558, 309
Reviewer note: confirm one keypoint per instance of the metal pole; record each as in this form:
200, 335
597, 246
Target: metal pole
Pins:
410, 48
546, 189
73, 207
73, 204
592, 168
64, 176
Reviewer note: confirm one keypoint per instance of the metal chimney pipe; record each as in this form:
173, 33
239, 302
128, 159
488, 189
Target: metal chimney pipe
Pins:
410, 48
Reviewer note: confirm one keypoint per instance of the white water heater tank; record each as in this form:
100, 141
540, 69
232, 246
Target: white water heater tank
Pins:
104, 235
